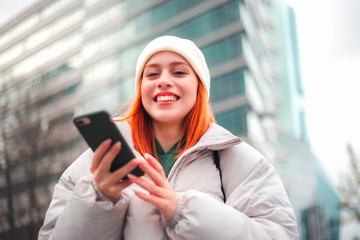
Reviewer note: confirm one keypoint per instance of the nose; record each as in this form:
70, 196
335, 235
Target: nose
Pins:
164, 81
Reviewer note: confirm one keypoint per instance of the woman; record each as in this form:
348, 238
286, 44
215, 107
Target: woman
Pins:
171, 129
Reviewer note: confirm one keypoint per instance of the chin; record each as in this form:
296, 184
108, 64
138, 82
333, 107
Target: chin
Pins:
166, 119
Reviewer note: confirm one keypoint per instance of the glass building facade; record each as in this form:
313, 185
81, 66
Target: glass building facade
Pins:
315, 200
72, 56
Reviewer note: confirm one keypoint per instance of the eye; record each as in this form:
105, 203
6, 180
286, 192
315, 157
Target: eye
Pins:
151, 74
179, 73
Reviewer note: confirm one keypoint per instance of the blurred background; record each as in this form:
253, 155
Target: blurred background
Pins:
284, 78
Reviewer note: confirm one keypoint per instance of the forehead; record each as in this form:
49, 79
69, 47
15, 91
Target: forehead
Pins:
166, 57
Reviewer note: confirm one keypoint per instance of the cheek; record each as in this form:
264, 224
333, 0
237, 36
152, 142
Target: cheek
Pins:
145, 93
195, 90
146, 89
192, 92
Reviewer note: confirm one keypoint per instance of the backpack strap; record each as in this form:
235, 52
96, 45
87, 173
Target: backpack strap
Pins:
217, 164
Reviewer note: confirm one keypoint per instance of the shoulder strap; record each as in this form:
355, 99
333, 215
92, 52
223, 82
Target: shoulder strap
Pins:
217, 164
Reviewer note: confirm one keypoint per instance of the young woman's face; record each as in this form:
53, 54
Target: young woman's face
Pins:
169, 88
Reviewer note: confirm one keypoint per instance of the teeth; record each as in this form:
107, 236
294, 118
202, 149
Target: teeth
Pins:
171, 98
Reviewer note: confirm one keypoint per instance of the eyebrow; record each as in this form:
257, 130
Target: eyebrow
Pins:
171, 64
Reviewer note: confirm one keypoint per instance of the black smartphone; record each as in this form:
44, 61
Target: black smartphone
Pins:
95, 128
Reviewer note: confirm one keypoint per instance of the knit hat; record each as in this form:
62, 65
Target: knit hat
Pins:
186, 48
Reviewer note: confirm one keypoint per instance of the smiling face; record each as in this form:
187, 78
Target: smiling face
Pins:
168, 88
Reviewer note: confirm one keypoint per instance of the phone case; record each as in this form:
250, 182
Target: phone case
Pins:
97, 127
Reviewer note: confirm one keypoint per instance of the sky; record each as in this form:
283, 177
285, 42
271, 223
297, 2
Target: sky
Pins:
9, 9
329, 41
329, 44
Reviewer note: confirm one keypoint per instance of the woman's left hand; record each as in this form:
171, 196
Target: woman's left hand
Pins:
160, 194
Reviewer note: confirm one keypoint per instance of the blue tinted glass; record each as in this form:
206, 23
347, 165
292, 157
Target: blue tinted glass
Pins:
234, 120
145, 22
207, 22
227, 85
223, 50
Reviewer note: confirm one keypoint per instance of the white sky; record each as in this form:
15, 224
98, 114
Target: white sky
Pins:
329, 39
9, 9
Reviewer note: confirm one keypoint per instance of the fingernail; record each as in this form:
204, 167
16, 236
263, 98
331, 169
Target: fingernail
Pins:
131, 177
107, 142
117, 146
138, 193
147, 155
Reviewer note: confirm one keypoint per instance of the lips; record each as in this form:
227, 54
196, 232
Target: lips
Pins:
166, 97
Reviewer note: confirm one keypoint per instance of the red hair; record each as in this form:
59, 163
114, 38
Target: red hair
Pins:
196, 123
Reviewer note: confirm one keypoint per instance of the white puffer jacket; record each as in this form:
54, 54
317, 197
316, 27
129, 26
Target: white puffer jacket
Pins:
257, 206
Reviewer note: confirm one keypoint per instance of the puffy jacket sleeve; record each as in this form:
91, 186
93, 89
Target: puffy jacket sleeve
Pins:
77, 211
257, 205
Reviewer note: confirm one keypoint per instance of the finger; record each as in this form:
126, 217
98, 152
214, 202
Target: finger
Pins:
123, 171
99, 153
155, 163
106, 161
148, 185
148, 198
154, 200
166, 206
113, 190
157, 178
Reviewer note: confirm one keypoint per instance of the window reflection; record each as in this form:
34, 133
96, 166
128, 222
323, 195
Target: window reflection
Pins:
33, 20
234, 120
105, 42
46, 55
110, 99
228, 85
100, 71
207, 22
103, 17
38, 37
223, 50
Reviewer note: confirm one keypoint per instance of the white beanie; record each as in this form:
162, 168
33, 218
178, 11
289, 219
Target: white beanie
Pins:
186, 48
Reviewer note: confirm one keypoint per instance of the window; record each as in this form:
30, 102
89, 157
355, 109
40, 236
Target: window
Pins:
234, 120
20, 28
223, 50
100, 44
103, 17
47, 76
46, 55
112, 98
101, 71
59, 95
145, 22
227, 85
207, 22
142, 23
12, 53
162, 13
34, 19
53, 29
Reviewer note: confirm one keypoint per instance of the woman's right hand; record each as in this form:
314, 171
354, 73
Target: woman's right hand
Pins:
110, 183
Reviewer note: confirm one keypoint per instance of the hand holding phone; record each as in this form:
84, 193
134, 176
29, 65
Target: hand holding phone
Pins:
97, 127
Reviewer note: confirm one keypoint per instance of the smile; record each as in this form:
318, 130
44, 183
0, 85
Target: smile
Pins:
166, 98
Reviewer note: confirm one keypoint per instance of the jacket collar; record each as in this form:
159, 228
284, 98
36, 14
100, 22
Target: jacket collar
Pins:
216, 138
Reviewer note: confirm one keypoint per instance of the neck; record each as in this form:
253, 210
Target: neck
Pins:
167, 135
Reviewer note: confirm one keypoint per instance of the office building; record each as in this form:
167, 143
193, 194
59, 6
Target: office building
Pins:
314, 198
59, 58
